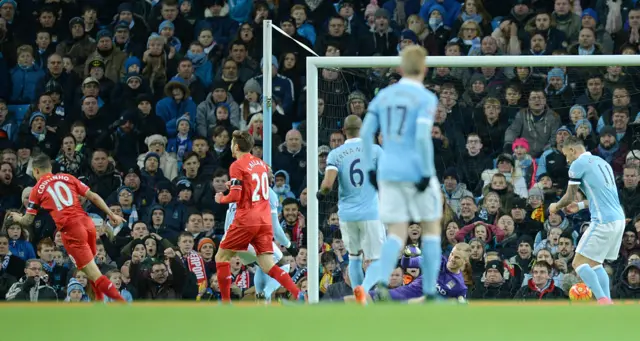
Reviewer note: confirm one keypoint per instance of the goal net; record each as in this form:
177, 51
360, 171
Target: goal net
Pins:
510, 108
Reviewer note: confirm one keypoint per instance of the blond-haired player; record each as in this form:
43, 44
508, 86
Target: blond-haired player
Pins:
408, 187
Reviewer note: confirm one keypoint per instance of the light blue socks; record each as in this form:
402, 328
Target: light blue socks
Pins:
272, 285
603, 279
430, 265
389, 258
356, 274
590, 278
372, 275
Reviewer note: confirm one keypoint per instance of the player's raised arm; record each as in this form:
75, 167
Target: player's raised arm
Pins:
99, 203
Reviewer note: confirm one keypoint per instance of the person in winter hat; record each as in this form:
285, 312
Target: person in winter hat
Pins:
181, 144
576, 113
76, 292
157, 144
251, 104
524, 161
584, 130
357, 103
370, 12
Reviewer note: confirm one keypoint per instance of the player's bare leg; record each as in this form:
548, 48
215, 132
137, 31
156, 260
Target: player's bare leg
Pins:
266, 263
223, 273
100, 282
431, 256
588, 270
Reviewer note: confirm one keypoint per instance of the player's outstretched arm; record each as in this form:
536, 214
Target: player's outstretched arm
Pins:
99, 203
567, 199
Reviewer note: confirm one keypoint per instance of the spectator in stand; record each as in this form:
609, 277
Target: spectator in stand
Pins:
168, 163
629, 285
206, 112
31, 287
175, 105
535, 123
453, 189
25, 77
11, 264
611, 150
628, 191
102, 177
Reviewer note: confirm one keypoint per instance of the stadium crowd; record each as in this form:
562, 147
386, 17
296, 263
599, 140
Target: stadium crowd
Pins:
138, 100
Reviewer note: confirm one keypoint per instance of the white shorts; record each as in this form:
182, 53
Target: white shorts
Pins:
602, 242
400, 202
249, 256
367, 236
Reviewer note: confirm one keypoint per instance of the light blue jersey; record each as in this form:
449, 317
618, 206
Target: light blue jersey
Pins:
274, 202
404, 113
358, 199
596, 179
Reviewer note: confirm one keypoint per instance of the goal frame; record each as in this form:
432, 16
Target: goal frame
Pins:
316, 63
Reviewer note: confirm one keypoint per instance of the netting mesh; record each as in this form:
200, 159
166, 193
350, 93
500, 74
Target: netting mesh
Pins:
470, 98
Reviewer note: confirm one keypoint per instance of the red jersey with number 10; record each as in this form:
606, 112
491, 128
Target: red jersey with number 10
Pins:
58, 194
250, 175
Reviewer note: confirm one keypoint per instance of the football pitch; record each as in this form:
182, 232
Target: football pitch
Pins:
477, 321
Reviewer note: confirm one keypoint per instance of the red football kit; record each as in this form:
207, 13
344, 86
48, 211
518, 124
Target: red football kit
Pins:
252, 222
58, 194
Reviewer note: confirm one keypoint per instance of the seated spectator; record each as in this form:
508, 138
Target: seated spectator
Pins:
506, 166
12, 265
115, 277
611, 150
629, 285
160, 285
75, 292
19, 244
541, 286
31, 287
495, 286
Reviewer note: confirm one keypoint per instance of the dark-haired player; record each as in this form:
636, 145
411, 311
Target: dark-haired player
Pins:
58, 194
249, 188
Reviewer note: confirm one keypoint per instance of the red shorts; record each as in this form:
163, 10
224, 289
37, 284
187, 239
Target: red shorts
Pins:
238, 238
79, 239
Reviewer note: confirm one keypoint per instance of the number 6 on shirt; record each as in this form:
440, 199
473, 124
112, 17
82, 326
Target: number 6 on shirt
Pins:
261, 185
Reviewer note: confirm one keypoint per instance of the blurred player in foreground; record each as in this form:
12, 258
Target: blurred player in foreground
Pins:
409, 190
58, 194
450, 282
265, 285
362, 232
249, 188
602, 239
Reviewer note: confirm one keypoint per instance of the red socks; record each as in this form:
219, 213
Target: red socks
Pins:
105, 286
285, 280
97, 293
224, 280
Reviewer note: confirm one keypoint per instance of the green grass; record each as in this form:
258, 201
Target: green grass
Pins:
513, 321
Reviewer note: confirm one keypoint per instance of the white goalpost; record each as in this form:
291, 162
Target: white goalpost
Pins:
316, 63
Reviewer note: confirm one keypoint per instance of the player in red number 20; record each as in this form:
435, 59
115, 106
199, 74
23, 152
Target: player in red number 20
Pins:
249, 188
58, 194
